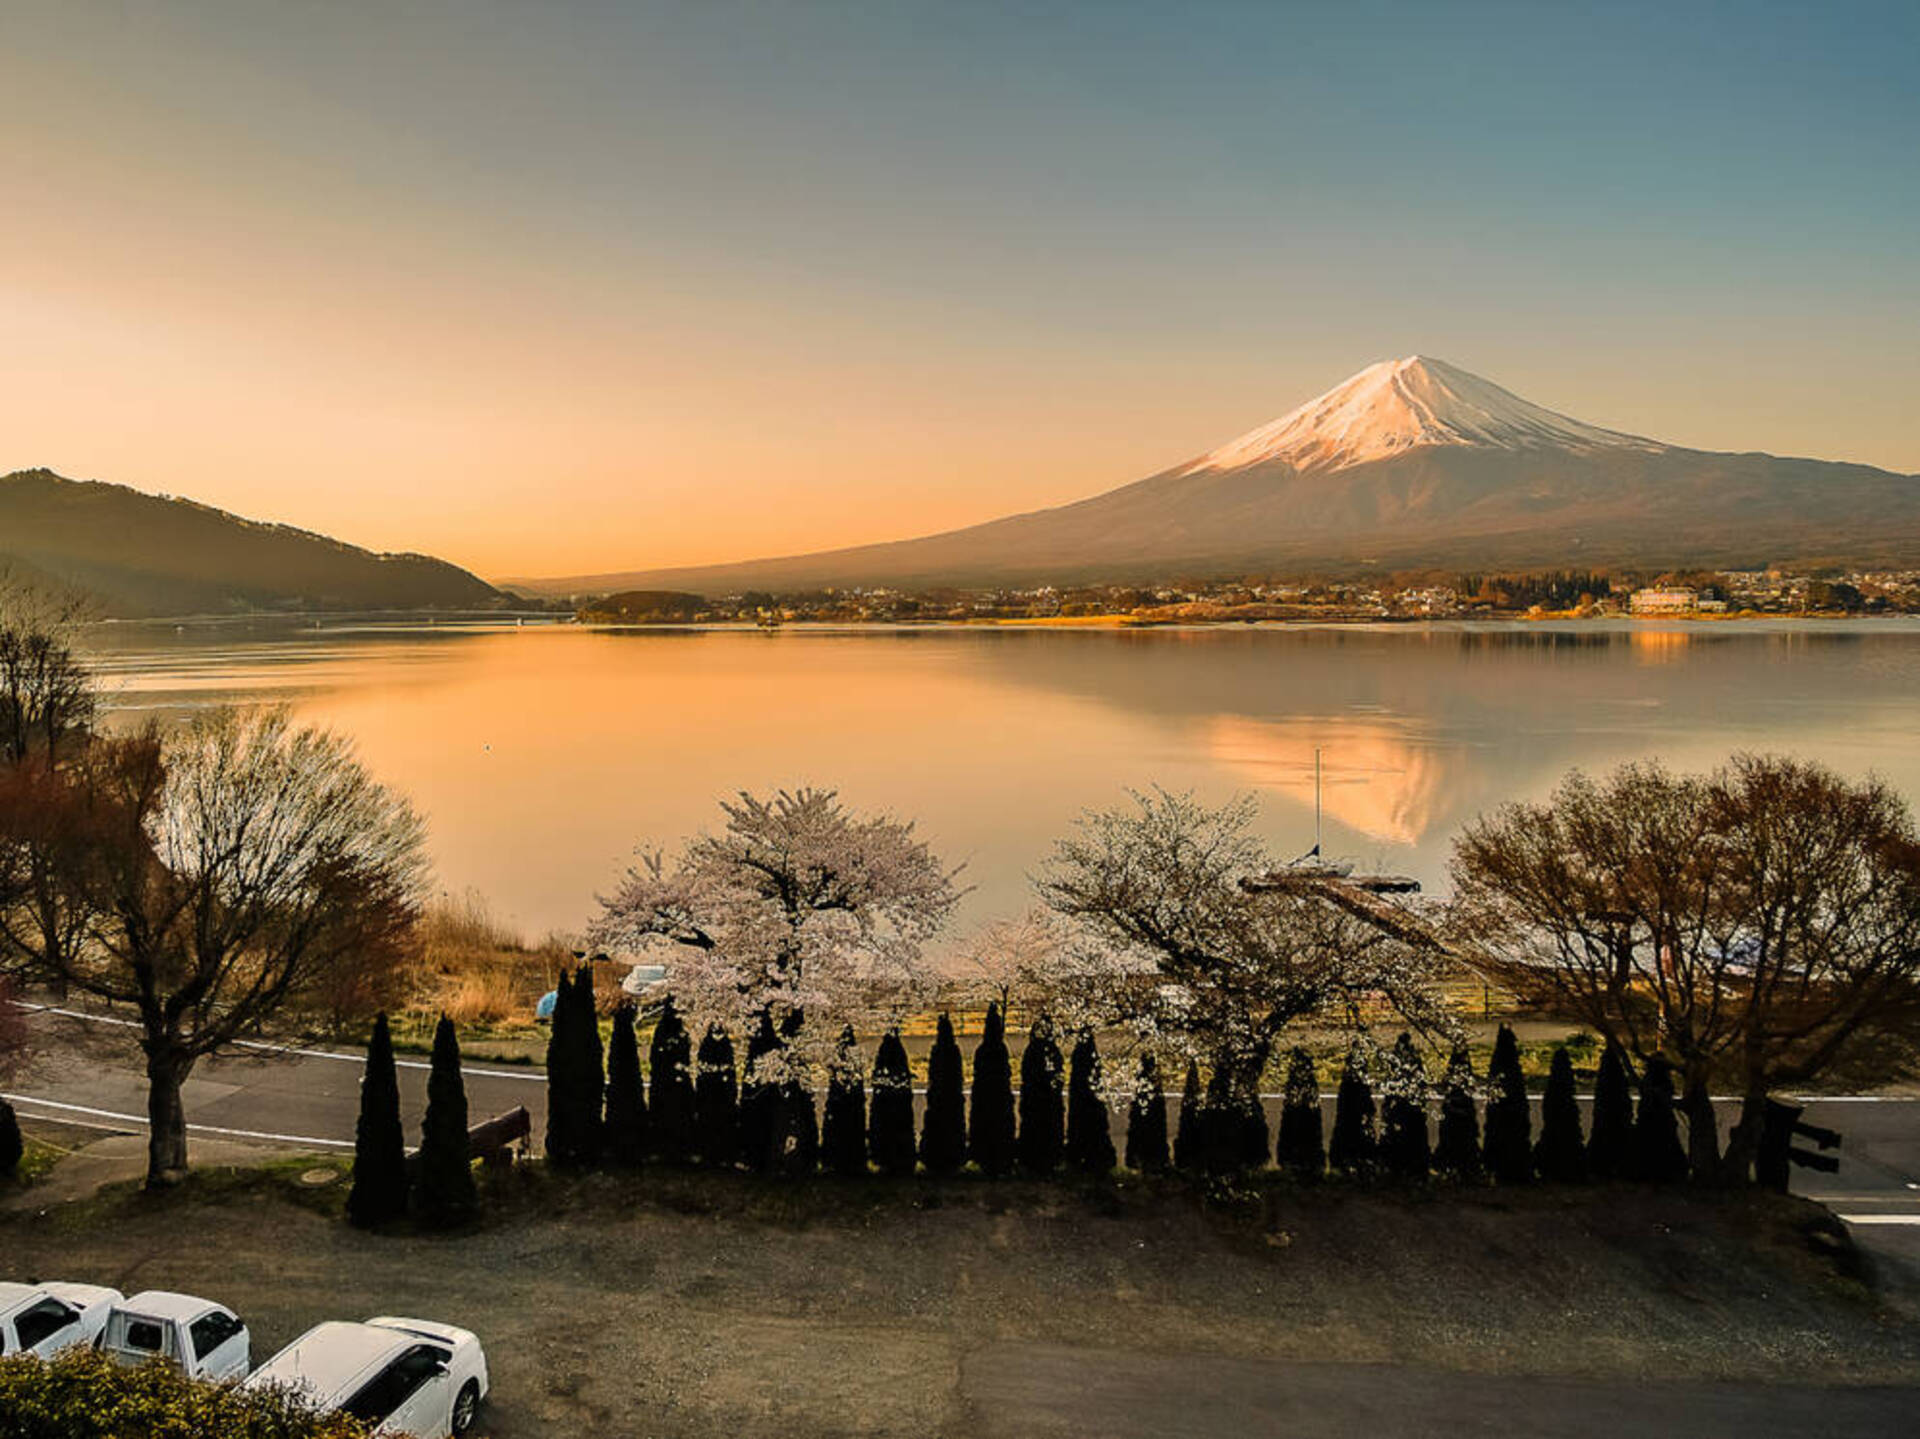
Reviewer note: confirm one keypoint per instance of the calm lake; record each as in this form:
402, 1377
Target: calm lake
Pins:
543, 755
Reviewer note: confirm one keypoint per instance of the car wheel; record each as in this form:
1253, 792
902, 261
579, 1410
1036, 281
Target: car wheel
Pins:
466, 1407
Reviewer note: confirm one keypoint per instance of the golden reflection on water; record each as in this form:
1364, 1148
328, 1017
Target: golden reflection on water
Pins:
541, 757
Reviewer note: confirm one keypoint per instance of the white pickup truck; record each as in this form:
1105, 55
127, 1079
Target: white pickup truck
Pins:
44, 1319
201, 1339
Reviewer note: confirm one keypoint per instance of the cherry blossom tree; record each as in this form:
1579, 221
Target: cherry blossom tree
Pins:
1193, 962
799, 908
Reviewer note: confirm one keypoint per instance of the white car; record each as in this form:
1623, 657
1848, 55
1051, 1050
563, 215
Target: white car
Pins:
202, 1340
43, 1319
396, 1376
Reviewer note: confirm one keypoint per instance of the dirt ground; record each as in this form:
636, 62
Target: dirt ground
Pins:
690, 1304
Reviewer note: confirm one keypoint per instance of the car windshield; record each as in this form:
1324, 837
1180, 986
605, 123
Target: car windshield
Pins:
396, 1384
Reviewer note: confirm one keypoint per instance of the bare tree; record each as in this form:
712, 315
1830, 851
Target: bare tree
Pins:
47, 695
213, 879
1758, 926
1195, 961
800, 907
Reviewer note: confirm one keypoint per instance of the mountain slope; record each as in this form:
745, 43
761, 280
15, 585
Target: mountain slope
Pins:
140, 554
1410, 463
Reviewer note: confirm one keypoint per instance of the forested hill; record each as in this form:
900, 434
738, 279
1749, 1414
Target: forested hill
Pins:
137, 554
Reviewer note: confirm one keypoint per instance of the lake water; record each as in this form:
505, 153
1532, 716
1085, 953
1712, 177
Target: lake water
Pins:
542, 756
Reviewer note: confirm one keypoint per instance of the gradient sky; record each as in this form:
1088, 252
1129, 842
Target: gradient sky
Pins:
565, 287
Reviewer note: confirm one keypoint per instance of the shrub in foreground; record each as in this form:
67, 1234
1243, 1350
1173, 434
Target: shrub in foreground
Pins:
843, 1133
444, 1195
1659, 1157
1302, 1151
380, 1182
1353, 1151
890, 1108
1186, 1138
716, 1100
943, 1135
1457, 1154
1089, 1130
84, 1395
990, 1134
670, 1103
1508, 1146
625, 1130
1147, 1120
1042, 1111
1561, 1154
1610, 1143
1404, 1148
12, 1147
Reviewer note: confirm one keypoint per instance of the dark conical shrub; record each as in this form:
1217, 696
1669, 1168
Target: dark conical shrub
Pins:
759, 1098
444, 1195
1703, 1132
943, 1133
13, 1148
1508, 1147
716, 1103
563, 1141
1659, 1156
798, 1134
575, 1079
843, 1134
990, 1132
1610, 1144
1250, 1136
1042, 1120
625, 1130
890, 1109
1302, 1150
1089, 1126
1561, 1154
1189, 1144
670, 1104
1404, 1149
1457, 1153
1147, 1120
1353, 1149
380, 1181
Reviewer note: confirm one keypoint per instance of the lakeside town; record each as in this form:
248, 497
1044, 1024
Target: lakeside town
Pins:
1715, 594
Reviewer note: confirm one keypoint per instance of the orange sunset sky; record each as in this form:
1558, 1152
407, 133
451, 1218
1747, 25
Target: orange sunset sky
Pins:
576, 287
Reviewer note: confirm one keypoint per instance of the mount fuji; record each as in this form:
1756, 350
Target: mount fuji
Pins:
1409, 464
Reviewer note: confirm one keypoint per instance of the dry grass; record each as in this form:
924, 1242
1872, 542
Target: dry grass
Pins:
477, 970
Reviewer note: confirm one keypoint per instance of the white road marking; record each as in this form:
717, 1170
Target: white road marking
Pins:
530, 1075
1881, 1218
141, 1120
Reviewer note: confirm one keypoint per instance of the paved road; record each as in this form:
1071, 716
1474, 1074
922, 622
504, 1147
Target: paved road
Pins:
89, 1074
1031, 1391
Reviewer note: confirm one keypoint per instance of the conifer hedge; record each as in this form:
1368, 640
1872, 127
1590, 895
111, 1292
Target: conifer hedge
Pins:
990, 1128
444, 1196
1042, 1137
943, 1133
1146, 1120
1302, 1150
1089, 1126
380, 1180
716, 1100
625, 1129
890, 1109
1610, 1144
670, 1102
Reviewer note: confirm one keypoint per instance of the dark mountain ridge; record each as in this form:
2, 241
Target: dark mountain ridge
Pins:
137, 554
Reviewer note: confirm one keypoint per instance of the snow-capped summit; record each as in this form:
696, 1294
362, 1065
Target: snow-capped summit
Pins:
1399, 405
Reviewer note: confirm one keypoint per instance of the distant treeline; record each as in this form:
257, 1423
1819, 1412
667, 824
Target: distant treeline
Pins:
1556, 590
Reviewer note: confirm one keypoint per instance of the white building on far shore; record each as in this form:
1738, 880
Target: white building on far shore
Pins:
1666, 600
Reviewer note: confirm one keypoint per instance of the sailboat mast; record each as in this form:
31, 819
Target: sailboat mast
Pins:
1316, 799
